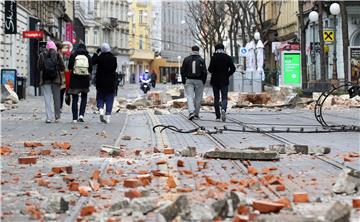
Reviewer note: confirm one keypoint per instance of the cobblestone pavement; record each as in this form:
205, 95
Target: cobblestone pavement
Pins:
33, 192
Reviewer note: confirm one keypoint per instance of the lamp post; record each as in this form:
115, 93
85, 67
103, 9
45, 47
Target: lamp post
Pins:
179, 79
313, 17
335, 10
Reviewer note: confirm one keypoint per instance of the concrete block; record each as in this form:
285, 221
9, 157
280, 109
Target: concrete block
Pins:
242, 154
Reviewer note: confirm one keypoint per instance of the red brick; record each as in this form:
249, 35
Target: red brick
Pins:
285, 201
133, 194
131, 183
171, 182
201, 164
242, 209
32, 144
280, 187
27, 160
88, 210
5, 150
64, 145
84, 190
73, 186
57, 170
45, 152
169, 151
180, 163
264, 206
184, 189
96, 174
300, 197
356, 203
144, 179
241, 218
161, 162
252, 170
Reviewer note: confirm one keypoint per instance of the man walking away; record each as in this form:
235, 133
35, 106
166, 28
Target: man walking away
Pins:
193, 73
153, 79
50, 65
221, 68
105, 81
80, 66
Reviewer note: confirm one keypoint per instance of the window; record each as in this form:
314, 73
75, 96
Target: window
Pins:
96, 37
141, 15
86, 38
141, 42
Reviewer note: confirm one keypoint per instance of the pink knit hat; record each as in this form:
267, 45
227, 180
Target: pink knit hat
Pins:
50, 45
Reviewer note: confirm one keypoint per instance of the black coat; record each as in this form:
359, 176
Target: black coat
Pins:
79, 83
221, 68
186, 68
105, 72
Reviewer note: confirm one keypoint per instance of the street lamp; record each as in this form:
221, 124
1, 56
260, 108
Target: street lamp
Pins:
334, 10
179, 79
256, 35
313, 17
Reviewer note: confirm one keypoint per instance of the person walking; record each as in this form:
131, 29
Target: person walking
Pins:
221, 68
105, 81
59, 47
50, 64
153, 79
193, 73
81, 68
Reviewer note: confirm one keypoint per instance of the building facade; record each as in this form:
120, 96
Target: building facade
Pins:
141, 53
176, 36
106, 21
312, 38
20, 53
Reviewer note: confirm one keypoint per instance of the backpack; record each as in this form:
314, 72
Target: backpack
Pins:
50, 70
81, 66
197, 67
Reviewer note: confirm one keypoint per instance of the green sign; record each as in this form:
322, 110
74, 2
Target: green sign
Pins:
292, 68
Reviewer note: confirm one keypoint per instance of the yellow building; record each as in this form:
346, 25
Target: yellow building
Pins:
141, 54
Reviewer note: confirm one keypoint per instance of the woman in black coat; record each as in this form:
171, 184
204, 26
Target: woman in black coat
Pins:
105, 81
79, 84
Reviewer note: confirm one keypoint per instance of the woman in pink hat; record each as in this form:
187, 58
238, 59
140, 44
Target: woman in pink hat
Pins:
50, 65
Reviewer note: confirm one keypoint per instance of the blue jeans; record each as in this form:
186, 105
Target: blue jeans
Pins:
105, 98
224, 93
74, 106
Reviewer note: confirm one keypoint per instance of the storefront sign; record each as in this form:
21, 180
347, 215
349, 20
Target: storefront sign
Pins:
10, 17
33, 34
329, 35
291, 68
8, 76
69, 32
354, 63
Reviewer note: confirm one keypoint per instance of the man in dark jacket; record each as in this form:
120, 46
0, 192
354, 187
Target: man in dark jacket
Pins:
79, 83
105, 81
221, 68
193, 73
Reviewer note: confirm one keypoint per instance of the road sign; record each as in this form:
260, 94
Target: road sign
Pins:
33, 34
243, 51
329, 35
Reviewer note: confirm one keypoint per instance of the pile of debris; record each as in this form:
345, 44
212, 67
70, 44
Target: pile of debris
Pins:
8, 98
335, 101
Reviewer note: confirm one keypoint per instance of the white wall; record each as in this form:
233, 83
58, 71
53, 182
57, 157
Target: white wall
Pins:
14, 50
